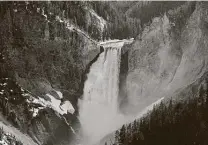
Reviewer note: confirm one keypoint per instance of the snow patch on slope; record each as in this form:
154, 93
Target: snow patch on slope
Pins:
67, 107
5, 139
35, 111
53, 103
59, 94
56, 105
26, 140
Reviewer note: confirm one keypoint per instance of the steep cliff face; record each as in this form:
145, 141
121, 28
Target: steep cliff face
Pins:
44, 53
169, 55
44, 49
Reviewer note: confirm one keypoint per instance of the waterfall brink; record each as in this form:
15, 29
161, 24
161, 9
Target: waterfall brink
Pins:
98, 111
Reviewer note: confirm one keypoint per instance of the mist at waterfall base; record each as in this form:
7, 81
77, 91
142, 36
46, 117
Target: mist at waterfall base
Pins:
98, 112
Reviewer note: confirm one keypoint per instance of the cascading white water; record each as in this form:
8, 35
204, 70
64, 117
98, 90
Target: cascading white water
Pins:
98, 110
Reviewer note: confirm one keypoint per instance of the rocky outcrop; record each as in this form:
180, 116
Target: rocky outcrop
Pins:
169, 55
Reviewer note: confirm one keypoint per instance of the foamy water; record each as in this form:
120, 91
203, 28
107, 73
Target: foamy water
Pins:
98, 110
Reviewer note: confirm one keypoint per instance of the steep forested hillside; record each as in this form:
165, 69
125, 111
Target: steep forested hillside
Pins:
170, 123
146, 11
43, 49
119, 25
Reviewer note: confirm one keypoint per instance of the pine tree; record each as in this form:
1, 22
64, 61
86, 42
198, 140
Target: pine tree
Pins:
117, 137
122, 135
129, 133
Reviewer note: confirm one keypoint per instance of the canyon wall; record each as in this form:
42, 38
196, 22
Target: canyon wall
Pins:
44, 53
169, 55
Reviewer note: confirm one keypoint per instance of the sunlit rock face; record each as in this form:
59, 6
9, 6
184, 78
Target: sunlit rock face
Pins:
169, 55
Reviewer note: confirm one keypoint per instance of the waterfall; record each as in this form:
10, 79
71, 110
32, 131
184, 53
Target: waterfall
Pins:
99, 106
